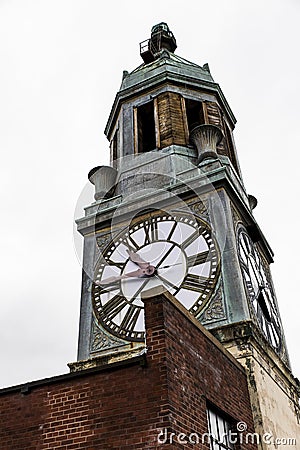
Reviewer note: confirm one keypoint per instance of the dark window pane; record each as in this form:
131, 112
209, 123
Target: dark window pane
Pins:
146, 128
194, 113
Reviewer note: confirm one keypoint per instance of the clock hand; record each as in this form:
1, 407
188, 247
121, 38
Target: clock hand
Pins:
135, 295
139, 273
165, 256
113, 279
134, 257
171, 265
166, 282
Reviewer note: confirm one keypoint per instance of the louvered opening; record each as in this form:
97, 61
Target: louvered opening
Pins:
115, 145
146, 128
194, 113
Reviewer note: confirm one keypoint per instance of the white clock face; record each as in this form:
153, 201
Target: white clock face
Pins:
260, 290
177, 251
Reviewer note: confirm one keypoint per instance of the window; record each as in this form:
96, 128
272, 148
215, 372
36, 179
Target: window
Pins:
194, 113
145, 123
219, 427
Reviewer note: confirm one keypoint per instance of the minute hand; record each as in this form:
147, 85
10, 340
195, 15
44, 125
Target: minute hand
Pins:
165, 256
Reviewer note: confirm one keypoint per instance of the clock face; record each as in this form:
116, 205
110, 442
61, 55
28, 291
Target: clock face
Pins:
259, 289
177, 251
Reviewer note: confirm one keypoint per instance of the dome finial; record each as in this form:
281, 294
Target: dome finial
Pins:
161, 38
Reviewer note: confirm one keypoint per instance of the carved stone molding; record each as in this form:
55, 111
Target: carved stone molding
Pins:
216, 308
199, 208
103, 240
101, 340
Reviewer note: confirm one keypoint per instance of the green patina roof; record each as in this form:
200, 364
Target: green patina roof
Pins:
168, 63
166, 68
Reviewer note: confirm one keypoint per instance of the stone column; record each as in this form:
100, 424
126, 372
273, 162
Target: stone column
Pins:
206, 138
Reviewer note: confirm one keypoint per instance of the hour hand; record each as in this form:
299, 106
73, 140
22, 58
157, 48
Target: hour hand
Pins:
139, 273
114, 279
134, 257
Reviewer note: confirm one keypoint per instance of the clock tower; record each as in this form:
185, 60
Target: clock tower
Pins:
172, 211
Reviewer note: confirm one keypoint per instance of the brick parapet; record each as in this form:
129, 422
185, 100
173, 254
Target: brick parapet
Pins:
125, 405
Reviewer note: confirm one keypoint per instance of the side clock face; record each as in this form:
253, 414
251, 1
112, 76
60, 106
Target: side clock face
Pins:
177, 251
259, 289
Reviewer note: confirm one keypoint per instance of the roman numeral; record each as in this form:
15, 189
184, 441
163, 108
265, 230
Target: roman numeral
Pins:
245, 266
243, 256
195, 260
250, 288
245, 243
120, 265
113, 307
131, 318
131, 244
151, 231
190, 239
172, 231
194, 283
276, 335
270, 335
107, 288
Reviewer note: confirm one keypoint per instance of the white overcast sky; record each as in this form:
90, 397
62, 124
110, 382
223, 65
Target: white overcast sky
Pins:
61, 66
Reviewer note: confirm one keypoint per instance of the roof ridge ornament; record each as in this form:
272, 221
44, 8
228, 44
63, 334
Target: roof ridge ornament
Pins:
206, 67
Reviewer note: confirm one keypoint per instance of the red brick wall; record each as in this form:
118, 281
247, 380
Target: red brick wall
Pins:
124, 406
198, 370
